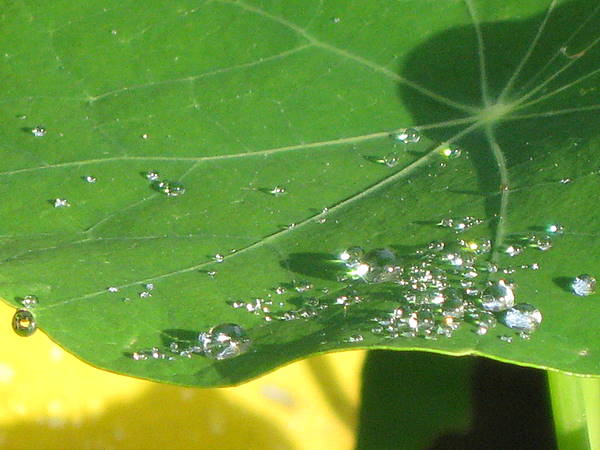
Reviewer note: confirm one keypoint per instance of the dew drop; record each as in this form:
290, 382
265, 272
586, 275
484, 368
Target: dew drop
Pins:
514, 250
112, 289
219, 258
144, 136
224, 341
170, 188
542, 243
352, 255
498, 297
89, 179
278, 191
61, 203
555, 228
391, 159
407, 136
24, 323
280, 290
149, 286
451, 151
507, 339
152, 175
523, 317
459, 224
145, 294
583, 285
29, 301
38, 131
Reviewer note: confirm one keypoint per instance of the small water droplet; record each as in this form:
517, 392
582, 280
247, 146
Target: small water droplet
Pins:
555, 228
391, 159
24, 323
523, 317
61, 203
354, 338
507, 339
303, 286
212, 273
407, 136
352, 255
565, 180
144, 136
278, 191
583, 285
542, 243
145, 294
89, 179
152, 175
170, 188
29, 301
113, 32
219, 258
280, 290
112, 289
224, 341
38, 131
139, 356
336, 20
459, 223
451, 151
514, 250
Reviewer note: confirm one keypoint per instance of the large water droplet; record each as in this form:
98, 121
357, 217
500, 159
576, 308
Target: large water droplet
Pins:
24, 323
523, 317
224, 341
38, 131
170, 188
407, 136
498, 297
583, 285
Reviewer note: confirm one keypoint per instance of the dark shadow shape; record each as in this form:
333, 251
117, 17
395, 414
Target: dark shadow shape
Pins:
564, 283
511, 410
448, 64
317, 265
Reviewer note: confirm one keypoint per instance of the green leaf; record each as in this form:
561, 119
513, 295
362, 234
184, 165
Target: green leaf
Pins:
234, 98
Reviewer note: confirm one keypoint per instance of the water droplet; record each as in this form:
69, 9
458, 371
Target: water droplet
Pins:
555, 228
359, 270
460, 223
523, 317
336, 20
89, 179
145, 294
352, 255
514, 250
451, 151
278, 191
61, 203
24, 323
507, 339
407, 136
149, 286
354, 338
303, 286
280, 290
498, 297
542, 243
583, 285
144, 136
38, 131
152, 175
139, 356
565, 180
219, 258
212, 273
170, 188
112, 289
224, 341
391, 159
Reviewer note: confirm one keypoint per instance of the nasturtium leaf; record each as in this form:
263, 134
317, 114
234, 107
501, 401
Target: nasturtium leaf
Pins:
272, 116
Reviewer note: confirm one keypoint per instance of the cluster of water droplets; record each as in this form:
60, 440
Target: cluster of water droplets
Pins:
224, 341
167, 187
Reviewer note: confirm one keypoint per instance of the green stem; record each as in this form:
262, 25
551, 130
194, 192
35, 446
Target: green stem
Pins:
576, 410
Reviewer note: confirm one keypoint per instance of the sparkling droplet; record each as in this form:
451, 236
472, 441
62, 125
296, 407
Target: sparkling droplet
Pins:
498, 297
507, 339
89, 179
352, 255
278, 191
38, 131
170, 188
145, 294
523, 317
555, 228
460, 224
152, 175
583, 285
61, 203
514, 250
280, 290
144, 136
407, 136
224, 341
354, 338
391, 159
212, 273
29, 301
451, 151
219, 258
149, 286
23, 323
112, 289
542, 243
